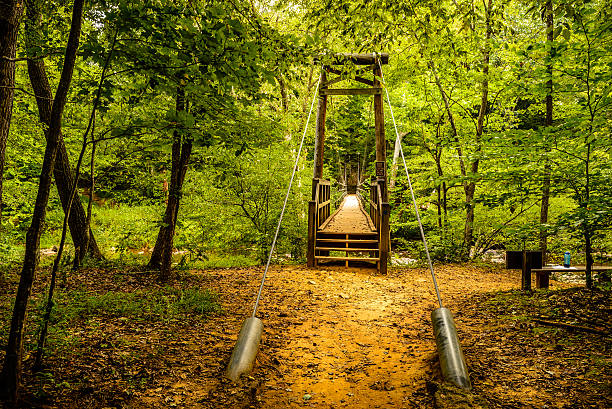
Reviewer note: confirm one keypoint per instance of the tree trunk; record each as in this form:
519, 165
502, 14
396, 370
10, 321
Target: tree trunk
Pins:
161, 256
11, 370
589, 257
588, 233
10, 15
62, 172
470, 186
283, 92
440, 188
549, 121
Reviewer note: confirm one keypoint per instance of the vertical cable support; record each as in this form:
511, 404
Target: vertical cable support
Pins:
416, 209
280, 219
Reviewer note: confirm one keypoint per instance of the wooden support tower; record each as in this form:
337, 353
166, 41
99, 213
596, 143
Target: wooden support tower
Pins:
375, 241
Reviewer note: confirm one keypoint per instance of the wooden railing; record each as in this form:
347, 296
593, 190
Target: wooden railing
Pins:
379, 210
319, 209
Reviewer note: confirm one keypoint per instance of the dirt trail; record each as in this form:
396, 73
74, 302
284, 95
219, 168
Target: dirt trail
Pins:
333, 338
355, 339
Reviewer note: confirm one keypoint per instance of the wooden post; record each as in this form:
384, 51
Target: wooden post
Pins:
381, 173
384, 238
526, 273
312, 233
320, 134
542, 279
379, 119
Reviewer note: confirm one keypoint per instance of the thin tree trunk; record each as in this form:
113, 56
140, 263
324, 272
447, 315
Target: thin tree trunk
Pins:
445, 202
589, 257
161, 256
587, 228
92, 185
40, 348
283, 92
470, 186
11, 370
62, 172
10, 16
549, 121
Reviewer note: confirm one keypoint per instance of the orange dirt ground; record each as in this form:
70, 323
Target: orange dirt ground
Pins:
333, 338
336, 338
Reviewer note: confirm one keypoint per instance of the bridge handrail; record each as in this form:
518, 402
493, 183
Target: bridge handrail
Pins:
319, 209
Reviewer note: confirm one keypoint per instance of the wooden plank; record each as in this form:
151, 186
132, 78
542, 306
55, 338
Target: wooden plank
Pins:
364, 80
347, 258
323, 204
345, 249
542, 279
526, 273
577, 269
347, 241
335, 80
351, 91
324, 234
355, 76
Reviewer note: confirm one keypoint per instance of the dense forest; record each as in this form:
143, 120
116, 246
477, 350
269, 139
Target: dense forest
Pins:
157, 138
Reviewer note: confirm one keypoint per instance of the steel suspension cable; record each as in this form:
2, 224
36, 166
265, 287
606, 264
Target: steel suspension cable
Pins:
280, 219
416, 209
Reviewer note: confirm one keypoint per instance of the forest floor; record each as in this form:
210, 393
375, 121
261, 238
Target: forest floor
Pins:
333, 338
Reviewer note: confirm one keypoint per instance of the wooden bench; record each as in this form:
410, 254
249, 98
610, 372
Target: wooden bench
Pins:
543, 274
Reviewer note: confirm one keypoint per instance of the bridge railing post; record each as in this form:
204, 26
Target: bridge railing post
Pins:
385, 244
384, 239
313, 216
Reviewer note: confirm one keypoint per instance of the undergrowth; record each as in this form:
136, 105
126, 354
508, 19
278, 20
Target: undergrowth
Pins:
162, 304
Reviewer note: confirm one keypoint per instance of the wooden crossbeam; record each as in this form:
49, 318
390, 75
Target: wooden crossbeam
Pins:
359, 59
356, 78
351, 91
356, 75
334, 81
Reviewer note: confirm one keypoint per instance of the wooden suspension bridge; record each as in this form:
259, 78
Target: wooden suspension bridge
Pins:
351, 233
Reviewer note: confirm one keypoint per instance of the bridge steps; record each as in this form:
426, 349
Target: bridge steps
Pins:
347, 247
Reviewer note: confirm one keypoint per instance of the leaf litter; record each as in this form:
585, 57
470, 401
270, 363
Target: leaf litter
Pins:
353, 340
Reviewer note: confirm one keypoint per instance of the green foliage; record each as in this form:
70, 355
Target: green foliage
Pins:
247, 76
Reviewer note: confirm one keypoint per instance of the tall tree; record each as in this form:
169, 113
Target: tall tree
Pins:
11, 370
544, 206
469, 186
62, 172
10, 16
181, 151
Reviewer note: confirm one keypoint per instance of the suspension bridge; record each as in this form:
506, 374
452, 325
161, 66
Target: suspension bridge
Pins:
350, 234
358, 231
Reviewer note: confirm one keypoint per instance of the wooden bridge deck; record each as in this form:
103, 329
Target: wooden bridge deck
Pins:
349, 218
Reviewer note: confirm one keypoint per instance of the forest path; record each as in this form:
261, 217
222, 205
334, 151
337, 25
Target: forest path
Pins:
358, 340
354, 339
333, 338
